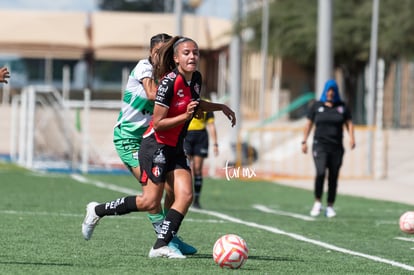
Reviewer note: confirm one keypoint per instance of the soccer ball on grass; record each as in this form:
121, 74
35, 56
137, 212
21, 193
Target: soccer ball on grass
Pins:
230, 251
407, 222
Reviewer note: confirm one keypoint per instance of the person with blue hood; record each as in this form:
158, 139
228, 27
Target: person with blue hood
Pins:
329, 115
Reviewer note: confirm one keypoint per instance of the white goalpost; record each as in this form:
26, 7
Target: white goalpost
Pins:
40, 133
45, 134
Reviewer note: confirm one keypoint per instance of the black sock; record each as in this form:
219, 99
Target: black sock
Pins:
119, 206
169, 228
198, 184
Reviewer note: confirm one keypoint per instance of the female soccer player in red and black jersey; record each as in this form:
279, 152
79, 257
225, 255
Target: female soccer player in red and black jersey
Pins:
162, 156
133, 121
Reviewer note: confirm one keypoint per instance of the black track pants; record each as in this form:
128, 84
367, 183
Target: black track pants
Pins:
331, 161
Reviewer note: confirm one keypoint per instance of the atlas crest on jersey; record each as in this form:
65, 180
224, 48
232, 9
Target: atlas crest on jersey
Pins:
156, 171
340, 109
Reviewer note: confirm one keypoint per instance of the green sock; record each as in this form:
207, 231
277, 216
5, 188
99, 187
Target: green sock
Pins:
156, 220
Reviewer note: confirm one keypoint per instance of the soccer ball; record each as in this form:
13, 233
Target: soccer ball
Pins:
407, 222
230, 251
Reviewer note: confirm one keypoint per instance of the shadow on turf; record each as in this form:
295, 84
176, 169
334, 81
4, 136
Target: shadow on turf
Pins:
272, 258
258, 258
31, 263
201, 256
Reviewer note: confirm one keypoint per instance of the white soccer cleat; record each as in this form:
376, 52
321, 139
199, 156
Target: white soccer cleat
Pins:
330, 212
90, 221
316, 209
165, 252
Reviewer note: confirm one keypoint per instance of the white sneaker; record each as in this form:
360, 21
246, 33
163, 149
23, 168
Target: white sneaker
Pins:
316, 209
165, 252
330, 212
90, 221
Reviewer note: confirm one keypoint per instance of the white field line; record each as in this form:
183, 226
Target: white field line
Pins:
404, 239
266, 228
304, 239
378, 223
266, 209
104, 185
134, 217
31, 213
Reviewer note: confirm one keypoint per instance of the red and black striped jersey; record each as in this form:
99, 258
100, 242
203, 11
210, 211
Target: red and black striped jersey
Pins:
175, 93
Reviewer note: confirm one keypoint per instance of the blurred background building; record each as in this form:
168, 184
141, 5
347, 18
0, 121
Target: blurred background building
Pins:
77, 46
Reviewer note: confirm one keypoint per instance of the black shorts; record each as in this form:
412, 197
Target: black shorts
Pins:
196, 143
156, 160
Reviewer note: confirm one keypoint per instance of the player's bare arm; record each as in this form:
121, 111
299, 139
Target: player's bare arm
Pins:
162, 122
207, 106
150, 87
306, 131
350, 128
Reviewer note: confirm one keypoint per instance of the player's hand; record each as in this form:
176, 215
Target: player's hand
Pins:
216, 149
191, 108
304, 148
4, 74
230, 114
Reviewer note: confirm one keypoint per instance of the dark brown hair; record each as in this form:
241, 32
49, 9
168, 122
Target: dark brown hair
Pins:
156, 39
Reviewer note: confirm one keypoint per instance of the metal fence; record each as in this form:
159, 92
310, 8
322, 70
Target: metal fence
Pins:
279, 155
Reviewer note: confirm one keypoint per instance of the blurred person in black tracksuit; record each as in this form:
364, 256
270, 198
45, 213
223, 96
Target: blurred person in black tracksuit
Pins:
329, 115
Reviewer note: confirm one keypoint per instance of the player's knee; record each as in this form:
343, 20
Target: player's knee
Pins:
187, 198
152, 205
147, 204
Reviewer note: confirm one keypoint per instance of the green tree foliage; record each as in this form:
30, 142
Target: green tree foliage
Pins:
293, 29
293, 34
396, 29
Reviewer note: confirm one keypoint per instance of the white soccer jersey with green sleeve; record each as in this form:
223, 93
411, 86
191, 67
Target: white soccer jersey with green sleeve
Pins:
137, 109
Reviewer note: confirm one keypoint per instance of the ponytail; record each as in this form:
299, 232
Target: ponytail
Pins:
166, 59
